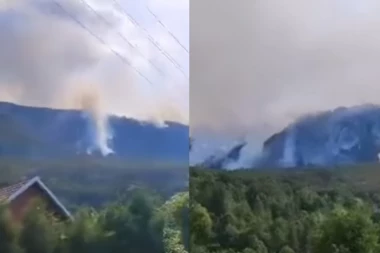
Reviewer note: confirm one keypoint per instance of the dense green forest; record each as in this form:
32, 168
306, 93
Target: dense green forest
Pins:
326, 210
140, 223
119, 206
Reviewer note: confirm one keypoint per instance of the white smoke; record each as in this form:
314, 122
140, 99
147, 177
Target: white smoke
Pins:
259, 65
249, 154
288, 157
47, 59
90, 102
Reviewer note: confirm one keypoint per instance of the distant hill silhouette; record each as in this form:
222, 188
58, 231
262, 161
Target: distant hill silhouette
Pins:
32, 132
341, 136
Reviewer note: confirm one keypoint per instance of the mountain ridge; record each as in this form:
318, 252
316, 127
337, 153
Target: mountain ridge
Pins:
40, 132
345, 135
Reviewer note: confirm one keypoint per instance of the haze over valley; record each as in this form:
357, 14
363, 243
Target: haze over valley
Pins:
282, 62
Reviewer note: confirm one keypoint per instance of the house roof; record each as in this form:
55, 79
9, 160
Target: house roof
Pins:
11, 192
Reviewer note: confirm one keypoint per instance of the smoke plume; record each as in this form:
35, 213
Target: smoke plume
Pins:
259, 65
48, 59
89, 101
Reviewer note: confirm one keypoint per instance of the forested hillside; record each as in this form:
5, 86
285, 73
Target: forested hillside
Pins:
91, 181
133, 201
118, 205
341, 136
31, 132
294, 211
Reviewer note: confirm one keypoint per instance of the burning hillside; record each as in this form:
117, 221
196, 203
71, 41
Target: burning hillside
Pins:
342, 136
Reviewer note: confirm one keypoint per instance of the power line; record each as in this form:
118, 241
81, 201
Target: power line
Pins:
122, 36
121, 57
152, 40
164, 26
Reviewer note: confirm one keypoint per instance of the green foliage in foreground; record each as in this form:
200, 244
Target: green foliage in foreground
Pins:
141, 224
313, 211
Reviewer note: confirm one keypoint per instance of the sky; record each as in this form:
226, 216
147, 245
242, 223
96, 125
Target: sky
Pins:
129, 56
256, 66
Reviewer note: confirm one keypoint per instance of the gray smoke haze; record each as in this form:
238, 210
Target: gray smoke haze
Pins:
47, 59
258, 65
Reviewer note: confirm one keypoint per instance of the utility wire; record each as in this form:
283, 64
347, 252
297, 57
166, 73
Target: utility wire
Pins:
123, 37
152, 40
164, 26
121, 57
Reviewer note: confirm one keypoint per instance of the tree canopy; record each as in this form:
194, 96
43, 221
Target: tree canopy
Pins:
142, 223
293, 211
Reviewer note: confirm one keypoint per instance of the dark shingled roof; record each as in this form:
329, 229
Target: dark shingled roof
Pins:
7, 191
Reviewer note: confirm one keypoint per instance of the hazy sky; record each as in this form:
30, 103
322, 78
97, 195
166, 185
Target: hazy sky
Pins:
257, 65
48, 59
